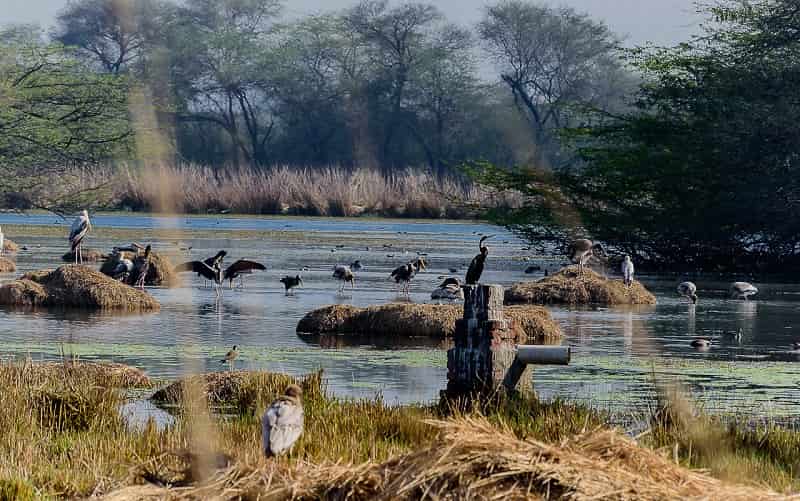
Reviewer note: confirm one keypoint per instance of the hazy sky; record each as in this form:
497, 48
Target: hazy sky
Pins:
659, 21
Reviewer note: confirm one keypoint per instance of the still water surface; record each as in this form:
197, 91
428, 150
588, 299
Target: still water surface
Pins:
618, 353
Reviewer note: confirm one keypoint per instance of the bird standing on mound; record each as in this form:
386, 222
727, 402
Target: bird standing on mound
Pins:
627, 270
241, 268
141, 265
230, 356
742, 290
403, 275
582, 250
290, 283
282, 423
80, 227
475, 269
344, 274
688, 290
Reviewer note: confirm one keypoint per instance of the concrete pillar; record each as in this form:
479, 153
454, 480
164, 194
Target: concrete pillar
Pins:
485, 347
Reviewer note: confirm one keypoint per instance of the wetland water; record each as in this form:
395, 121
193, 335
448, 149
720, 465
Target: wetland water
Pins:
617, 352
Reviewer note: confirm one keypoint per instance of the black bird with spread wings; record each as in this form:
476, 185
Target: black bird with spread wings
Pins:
239, 269
475, 269
210, 269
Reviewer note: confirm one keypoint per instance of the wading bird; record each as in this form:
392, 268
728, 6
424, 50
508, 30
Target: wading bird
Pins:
627, 270
241, 268
282, 423
688, 290
231, 356
450, 290
80, 227
356, 266
211, 272
475, 269
123, 268
742, 290
141, 265
344, 274
582, 250
290, 283
701, 343
403, 275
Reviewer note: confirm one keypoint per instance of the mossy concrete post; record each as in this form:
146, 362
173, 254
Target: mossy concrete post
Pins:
485, 347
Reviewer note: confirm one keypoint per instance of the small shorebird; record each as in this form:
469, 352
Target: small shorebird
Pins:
282, 423
688, 290
627, 270
356, 266
290, 283
742, 290
80, 227
403, 275
231, 356
345, 275
582, 250
475, 269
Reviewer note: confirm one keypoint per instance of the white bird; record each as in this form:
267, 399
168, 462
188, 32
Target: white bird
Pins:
450, 289
2, 241
581, 250
80, 227
282, 423
688, 290
743, 290
627, 270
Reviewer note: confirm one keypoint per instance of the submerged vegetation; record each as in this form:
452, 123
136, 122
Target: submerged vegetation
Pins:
63, 437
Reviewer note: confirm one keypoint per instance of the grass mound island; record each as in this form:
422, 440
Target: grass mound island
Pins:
63, 437
571, 286
160, 273
422, 320
75, 286
7, 265
10, 245
88, 255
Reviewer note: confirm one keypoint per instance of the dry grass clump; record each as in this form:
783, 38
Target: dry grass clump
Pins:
10, 245
76, 286
88, 255
110, 374
160, 273
7, 265
424, 320
570, 286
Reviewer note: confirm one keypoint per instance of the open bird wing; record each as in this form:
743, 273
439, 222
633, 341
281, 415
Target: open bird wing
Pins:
281, 426
242, 265
196, 266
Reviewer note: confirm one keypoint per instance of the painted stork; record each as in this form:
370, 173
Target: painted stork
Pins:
344, 274
475, 269
141, 265
403, 275
449, 289
688, 290
231, 356
582, 250
742, 290
241, 268
627, 270
80, 227
212, 272
290, 283
282, 423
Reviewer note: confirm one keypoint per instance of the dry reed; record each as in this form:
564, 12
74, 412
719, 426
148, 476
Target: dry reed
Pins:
7, 265
10, 246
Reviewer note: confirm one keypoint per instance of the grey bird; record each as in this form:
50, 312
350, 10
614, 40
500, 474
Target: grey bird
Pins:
80, 227
688, 290
290, 283
231, 356
743, 290
344, 275
582, 250
282, 423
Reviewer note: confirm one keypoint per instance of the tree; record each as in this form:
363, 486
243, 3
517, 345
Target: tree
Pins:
55, 115
552, 59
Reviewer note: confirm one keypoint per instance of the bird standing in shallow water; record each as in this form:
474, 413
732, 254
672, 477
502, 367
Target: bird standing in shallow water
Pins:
688, 290
701, 343
231, 356
282, 423
141, 265
582, 250
210, 269
80, 227
403, 275
742, 290
2, 242
627, 270
356, 266
290, 283
344, 274
239, 269
475, 269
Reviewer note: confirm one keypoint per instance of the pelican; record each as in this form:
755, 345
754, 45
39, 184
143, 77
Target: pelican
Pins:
230, 356
627, 270
344, 274
211, 272
475, 269
450, 289
282, 423
742, 290
582, 250
688, 290
80, 227
291, 282
356, 266
241, 268
402, 275
141, 265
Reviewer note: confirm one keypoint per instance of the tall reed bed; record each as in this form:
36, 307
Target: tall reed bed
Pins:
327, 191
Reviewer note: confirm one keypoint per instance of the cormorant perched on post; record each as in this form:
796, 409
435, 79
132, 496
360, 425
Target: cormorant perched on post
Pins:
344, 274
402, 275
582, 250
239, 269
743, 290
80, 227
475, 269
141, 265
291, 282
689, 290
282, 423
